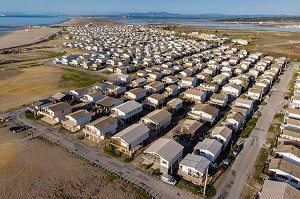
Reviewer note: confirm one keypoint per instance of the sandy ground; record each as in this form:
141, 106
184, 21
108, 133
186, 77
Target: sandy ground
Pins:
37, 169
84, 21
22, 37
18, 87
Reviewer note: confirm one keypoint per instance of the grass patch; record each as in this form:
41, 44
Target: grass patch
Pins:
2, 125
112, 177
259, 164
79, 79
107, 72
146, 166
80, 137
141, 194
127, 159
274, 129
110, 150
196, 189
285, 106
291, 89
187, 117
29, 115
49, 54
263, 103
279, 117
250, 125
156, 172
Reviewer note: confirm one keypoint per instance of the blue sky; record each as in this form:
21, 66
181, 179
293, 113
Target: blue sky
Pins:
92, 7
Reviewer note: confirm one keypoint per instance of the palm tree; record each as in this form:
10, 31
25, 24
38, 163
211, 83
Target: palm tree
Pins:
107, 136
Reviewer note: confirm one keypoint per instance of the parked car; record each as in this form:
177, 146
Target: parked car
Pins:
227, 161
18, 129
223, 168
237, 149
168, 179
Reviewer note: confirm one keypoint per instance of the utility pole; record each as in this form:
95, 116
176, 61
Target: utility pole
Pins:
205, 183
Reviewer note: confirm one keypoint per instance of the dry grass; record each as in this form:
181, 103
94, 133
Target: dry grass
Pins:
26, 85
248, 192
37, 169
22, 86
274, 43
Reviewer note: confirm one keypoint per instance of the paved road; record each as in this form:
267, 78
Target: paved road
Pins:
237, 175
155, 187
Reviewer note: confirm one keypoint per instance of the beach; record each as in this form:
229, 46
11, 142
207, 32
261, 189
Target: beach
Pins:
25, 37
30, 36
84, 21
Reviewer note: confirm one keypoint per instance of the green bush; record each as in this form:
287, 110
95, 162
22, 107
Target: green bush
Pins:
80, 137
156, 172
181, 96
29, 114
110, 150
128, 159
146, 166
279, 116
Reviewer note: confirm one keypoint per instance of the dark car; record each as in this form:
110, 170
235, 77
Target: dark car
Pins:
18, 129
223, 168
227, 161
237, 149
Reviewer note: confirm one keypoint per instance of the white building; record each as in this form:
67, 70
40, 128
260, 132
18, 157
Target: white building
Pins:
289, 153
209, 148
166, 153
97, 129
194, 168
75, 121
127, 110
131, 139
285, 171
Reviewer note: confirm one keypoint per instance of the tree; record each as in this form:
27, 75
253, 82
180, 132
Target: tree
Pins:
244, 83
107, 136
208, 78
181, 96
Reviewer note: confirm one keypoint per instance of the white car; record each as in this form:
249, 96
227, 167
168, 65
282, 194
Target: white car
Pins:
168, 179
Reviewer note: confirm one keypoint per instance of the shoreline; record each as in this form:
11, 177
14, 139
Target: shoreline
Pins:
23, 37
81, 21
19, 37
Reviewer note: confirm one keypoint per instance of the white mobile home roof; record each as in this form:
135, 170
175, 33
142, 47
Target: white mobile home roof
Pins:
128, 106
166, 148
197, 162
132, 133
210, 145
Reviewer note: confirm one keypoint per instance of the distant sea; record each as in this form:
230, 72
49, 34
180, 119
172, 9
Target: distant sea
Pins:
28, 21
204, 23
